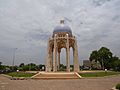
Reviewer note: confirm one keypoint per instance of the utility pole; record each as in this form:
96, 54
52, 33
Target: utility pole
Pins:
14, 51
29, 64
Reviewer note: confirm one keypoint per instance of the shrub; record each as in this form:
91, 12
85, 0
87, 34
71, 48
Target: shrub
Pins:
118, 86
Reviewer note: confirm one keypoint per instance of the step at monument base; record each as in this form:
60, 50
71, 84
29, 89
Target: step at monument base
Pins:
57, 75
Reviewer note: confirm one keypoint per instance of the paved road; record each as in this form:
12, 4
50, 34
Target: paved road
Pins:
105, 83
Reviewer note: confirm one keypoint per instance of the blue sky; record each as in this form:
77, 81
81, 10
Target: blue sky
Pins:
27, 24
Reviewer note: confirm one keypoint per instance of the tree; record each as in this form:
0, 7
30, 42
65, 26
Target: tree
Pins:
32, 66
21, 65
103, 55
1, 67
115, 64
62, 67
94, 55
94, 59
0, 63
25, 68
40, 67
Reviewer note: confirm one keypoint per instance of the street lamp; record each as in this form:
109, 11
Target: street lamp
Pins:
14, 50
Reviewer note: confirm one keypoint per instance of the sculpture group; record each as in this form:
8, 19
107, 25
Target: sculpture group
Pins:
62, 38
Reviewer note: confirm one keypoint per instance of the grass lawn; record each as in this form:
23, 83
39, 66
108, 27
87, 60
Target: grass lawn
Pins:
118, 86
98, 74
20, 74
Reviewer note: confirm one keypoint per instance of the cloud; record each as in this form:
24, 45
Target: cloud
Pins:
27, 24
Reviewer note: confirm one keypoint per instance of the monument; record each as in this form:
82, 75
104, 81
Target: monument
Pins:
62, 38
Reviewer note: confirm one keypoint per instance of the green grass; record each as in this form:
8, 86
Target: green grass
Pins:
20, 74
98, 74
118, 86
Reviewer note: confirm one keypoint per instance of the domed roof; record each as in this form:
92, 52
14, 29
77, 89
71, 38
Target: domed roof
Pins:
62, 28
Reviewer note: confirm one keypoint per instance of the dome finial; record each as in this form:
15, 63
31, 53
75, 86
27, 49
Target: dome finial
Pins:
62, 21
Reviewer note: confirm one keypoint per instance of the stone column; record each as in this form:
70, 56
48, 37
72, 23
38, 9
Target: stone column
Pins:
75, 56
67, 54
48, 60
55, 55
51, 62
58, 60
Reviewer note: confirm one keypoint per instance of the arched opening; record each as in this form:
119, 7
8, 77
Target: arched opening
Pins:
62, 60
71, 59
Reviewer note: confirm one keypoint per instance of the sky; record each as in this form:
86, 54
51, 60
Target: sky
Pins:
27, 25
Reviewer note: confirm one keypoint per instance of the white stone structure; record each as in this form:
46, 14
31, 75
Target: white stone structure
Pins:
62, 38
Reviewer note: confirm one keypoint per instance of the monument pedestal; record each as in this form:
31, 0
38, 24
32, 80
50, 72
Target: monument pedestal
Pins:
57, 75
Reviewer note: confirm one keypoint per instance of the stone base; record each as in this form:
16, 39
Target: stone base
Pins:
57, 75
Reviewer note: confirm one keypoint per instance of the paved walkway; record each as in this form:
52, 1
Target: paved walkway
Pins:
105, 83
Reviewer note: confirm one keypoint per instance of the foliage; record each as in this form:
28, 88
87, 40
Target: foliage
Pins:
94, 56
40, 67
2, 67
0, 63
118, 86
117, 65
62, 67
31, 66
105, 58
98, 74
22, 65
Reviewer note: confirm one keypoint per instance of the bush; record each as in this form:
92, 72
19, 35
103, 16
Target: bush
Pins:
118, 86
